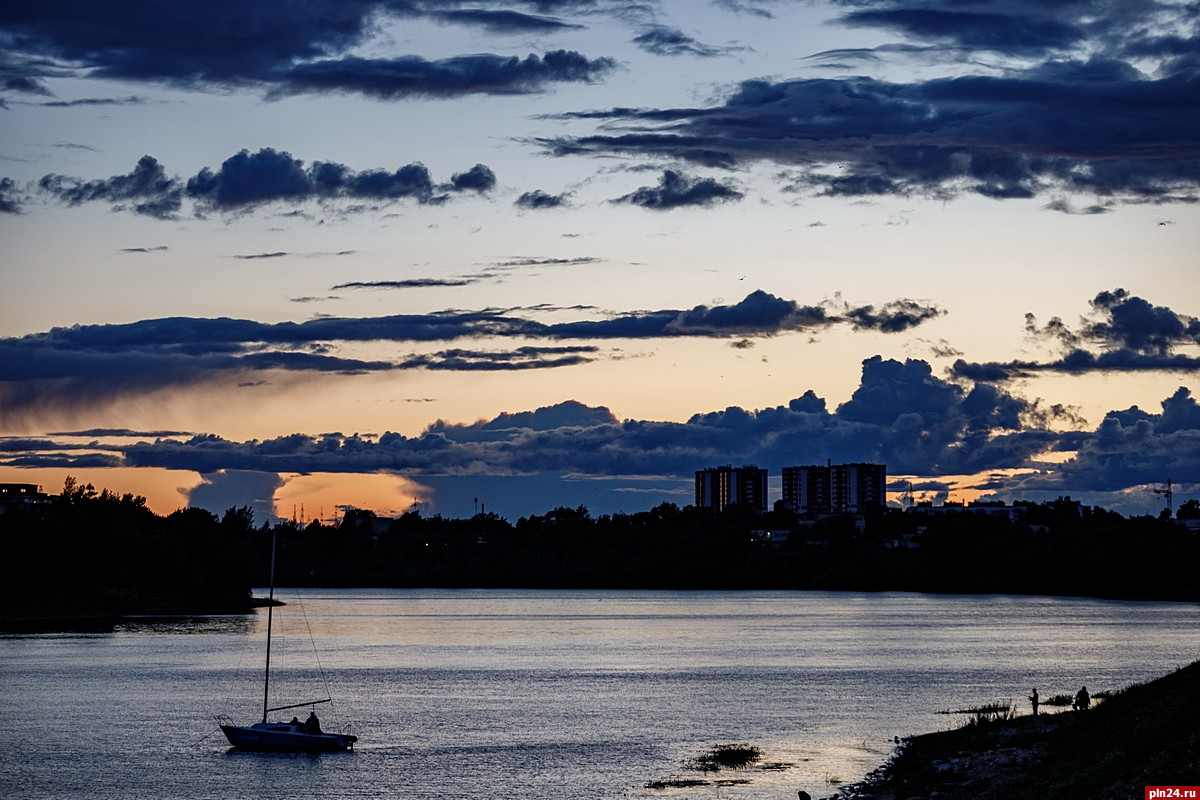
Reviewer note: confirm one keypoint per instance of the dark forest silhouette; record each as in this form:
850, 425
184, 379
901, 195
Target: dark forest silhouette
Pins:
95, 554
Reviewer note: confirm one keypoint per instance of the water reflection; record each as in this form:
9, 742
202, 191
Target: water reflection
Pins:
175, 625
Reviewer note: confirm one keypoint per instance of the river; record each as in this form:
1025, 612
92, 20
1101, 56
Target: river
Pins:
540, 695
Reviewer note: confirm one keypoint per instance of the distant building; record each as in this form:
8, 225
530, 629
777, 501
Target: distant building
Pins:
991, 508
22, 495
720, 487
835, 488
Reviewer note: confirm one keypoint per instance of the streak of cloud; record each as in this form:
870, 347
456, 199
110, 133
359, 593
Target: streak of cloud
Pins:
91, 364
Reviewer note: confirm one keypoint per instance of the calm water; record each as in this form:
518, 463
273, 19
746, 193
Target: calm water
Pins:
530, 695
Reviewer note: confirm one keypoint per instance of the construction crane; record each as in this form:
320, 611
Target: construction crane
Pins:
1168, 494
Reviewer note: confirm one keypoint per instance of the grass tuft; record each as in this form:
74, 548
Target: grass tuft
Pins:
726, 756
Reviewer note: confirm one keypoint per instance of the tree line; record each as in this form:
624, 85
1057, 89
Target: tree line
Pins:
96, 553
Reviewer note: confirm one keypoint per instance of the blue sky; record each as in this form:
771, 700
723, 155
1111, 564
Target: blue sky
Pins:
528, 254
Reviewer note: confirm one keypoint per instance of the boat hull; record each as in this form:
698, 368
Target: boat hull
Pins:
267, 737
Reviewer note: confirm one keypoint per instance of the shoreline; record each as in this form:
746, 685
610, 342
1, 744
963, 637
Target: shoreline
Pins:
1144, 735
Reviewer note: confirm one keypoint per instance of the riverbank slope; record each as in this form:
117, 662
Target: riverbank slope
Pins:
1146, 735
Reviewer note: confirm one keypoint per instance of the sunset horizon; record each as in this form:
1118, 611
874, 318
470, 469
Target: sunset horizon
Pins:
533, 254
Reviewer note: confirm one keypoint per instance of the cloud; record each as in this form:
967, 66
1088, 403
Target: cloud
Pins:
505, 21
224, 489
10, 197
247, 180
901, 414
132, 100
894, 317
478, 178
1105, 108
662, 40
412, 283
261, 256
1129, 322
491, 272
94, 364
1020, 28
537, 200
1030, 29
1132, 335
24, 84
412, 76
282, 50
124, 432
677, 190
1130, 449
521, 358
148, 188
526, 261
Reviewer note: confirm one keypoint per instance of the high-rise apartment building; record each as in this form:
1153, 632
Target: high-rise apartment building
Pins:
719, 487
835, 488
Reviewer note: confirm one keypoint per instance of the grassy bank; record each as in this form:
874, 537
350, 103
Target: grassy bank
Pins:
1142, 736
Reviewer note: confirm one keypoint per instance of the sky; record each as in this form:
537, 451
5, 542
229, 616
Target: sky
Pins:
510, 255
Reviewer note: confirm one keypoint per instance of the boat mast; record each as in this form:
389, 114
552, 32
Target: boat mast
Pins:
270, 607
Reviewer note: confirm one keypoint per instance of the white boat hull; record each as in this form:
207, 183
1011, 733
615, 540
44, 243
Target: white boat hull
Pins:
282, 737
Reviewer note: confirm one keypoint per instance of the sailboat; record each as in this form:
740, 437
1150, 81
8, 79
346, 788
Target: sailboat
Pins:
284, 737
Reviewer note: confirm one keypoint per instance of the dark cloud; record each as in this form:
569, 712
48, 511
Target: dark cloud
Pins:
1129, 449
676, 190
412, 283
900, 414
568, 414
505, 21
664, 41
549, 262
10, 197
1129, 322
1083, 121
148, 189
538, 200
521, 358
894, 317
284, 50
247, 180
1133, 336
1032, 29
123, 432
1004, 31
478, 178
412, 76
157, 249
96, 101
24, 84
94, 364
491, 272
262, 256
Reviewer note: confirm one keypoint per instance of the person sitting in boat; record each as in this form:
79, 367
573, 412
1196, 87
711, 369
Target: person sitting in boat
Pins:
295, 721
312, 724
